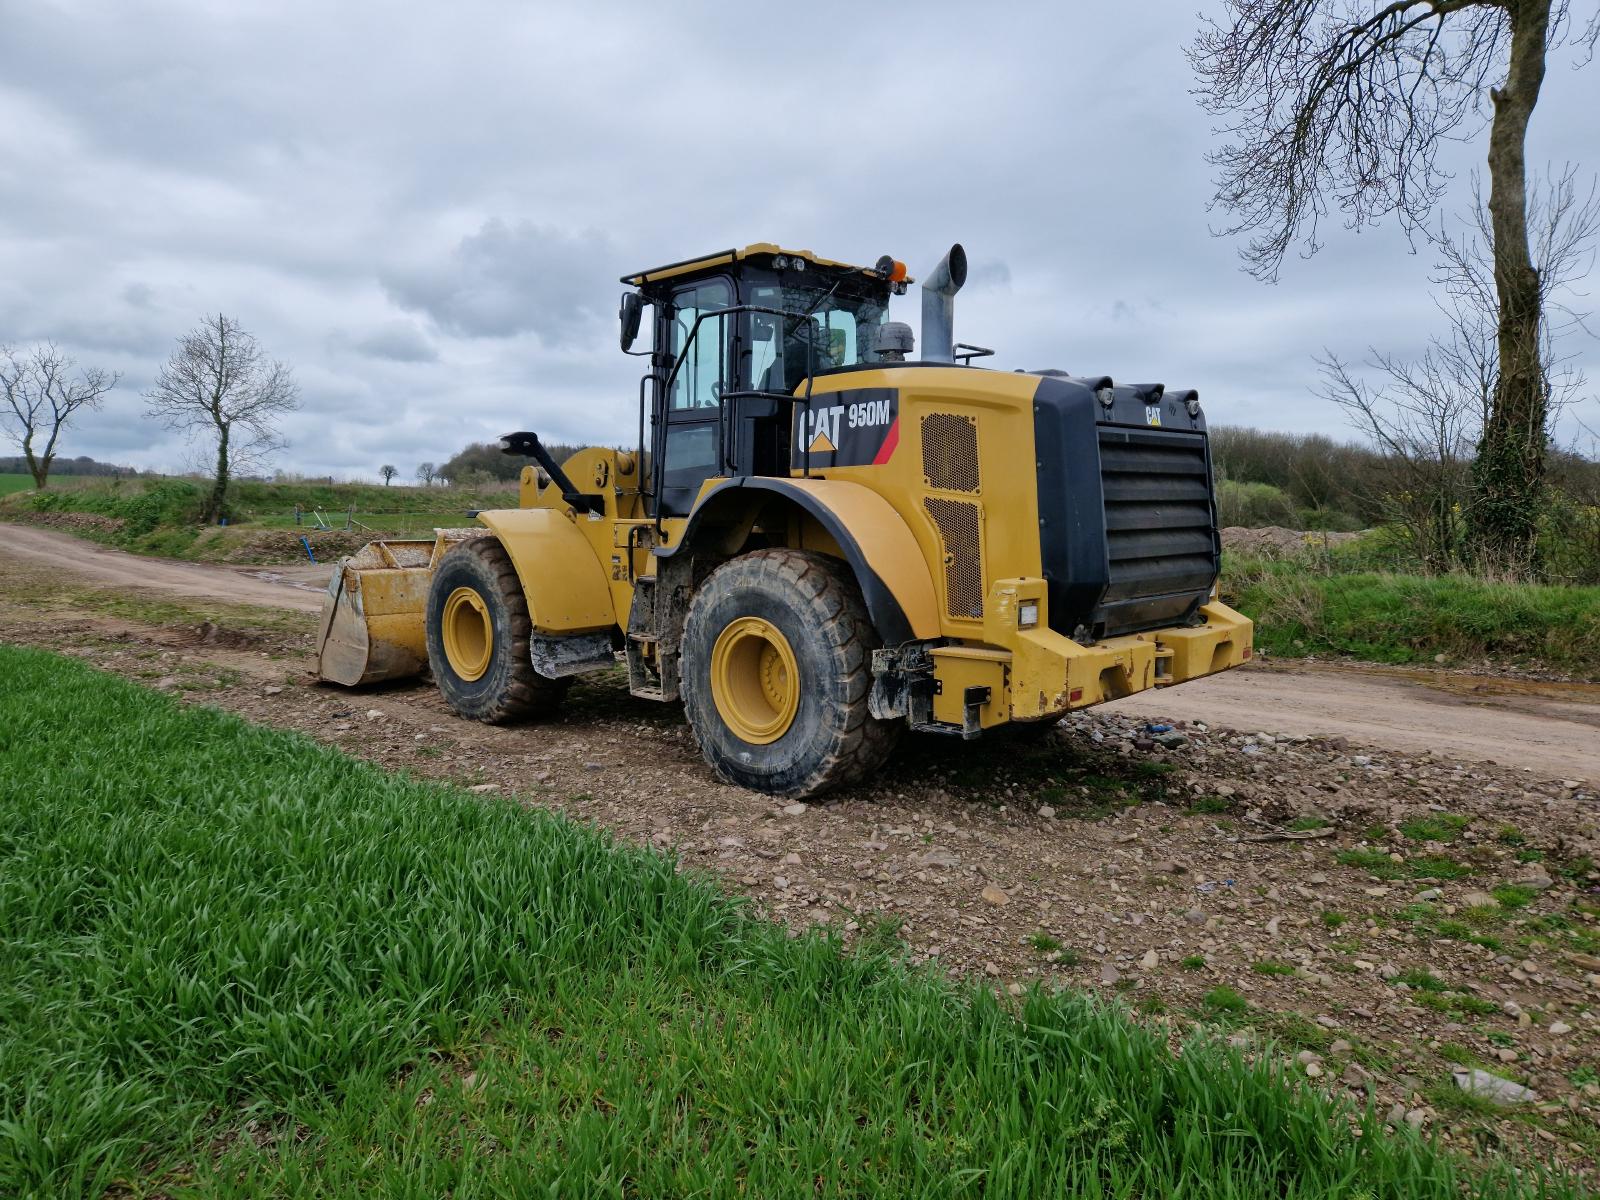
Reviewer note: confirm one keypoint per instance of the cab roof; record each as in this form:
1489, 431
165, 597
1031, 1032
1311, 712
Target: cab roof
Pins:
724, 257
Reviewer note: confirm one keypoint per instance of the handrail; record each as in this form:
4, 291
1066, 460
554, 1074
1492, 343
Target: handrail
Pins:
644, 379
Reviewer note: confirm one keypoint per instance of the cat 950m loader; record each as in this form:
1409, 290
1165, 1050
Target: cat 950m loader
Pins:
826, 540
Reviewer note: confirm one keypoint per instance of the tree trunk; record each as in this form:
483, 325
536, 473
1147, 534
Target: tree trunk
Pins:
216, 502
38, 468
1508, 475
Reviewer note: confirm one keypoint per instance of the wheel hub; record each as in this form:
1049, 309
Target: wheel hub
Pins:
467, 632
755, 682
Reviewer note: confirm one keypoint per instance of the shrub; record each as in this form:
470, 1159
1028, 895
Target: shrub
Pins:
1253, 505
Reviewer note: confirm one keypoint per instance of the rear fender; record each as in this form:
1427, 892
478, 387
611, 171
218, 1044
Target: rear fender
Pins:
564, 583
875, 540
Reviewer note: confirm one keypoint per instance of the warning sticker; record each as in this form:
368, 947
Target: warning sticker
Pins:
847, 429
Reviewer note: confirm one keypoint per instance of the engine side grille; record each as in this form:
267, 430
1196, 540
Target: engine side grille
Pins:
960, 530
950, 452
1157, 493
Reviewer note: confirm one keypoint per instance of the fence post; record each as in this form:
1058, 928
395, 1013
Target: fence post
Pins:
297, 514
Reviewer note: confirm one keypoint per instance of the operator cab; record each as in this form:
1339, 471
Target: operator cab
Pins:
732, 340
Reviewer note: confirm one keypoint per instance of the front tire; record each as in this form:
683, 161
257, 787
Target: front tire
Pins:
478, 630
777, 667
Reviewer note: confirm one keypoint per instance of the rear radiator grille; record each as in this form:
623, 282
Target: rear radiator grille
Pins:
959, 529
1159, 532
950, 452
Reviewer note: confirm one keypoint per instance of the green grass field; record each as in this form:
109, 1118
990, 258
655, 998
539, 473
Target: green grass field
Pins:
235, 963
15, 483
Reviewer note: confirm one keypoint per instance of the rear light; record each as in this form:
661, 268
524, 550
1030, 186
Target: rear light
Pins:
1028, 614
1074, 695
1247, 652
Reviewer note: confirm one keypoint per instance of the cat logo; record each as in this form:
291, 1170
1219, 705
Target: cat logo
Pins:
855, 427
1152, 414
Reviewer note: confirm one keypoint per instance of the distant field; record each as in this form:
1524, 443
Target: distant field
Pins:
14, 482
242, 964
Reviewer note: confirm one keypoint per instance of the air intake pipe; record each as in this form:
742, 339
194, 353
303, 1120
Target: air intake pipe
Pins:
939, 306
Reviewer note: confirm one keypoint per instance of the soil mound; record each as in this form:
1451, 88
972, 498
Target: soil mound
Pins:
1274, 541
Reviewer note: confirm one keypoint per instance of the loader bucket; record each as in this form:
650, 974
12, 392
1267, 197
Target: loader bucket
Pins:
374, 617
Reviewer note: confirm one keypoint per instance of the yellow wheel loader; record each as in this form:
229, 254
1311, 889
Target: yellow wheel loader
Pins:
821, 539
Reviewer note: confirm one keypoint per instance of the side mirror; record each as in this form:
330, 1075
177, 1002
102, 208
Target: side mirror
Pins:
629, 315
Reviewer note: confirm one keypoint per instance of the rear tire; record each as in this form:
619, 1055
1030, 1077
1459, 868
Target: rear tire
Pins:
478, 631
777, 667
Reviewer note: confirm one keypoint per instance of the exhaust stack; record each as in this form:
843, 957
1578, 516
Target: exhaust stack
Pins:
939, 306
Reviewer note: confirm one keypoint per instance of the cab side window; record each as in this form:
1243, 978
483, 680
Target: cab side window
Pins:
699, 383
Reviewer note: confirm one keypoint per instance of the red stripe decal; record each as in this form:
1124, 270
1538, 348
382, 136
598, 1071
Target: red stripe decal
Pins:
890, 441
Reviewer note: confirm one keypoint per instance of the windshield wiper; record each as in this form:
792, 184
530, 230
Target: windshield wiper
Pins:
821, 300
811, 348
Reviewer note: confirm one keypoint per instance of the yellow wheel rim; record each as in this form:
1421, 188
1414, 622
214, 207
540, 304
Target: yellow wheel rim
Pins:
754, 680
468, 633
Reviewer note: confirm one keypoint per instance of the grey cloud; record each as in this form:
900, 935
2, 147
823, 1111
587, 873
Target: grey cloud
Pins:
508, 278
398, 341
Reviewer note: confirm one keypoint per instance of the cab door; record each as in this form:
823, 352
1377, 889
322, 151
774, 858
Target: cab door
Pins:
689, 432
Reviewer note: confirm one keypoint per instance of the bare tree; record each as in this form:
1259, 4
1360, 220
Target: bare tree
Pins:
1424, 421
219, 383
426, 473
1430, 415
44, 389
1346, 103
388, 472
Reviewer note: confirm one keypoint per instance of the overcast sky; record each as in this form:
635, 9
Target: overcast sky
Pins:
425, 208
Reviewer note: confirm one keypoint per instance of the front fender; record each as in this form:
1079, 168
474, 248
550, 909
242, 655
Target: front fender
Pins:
564, 583
877, 543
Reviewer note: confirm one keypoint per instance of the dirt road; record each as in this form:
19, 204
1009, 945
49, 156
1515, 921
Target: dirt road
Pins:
1550, 729
297, 588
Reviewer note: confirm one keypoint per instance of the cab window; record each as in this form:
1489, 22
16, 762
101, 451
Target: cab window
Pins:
822, 331
699, 383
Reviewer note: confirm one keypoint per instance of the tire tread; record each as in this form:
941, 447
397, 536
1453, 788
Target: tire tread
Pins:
526, 693
860, 744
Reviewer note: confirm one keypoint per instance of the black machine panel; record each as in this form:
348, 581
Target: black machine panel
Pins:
1127, 520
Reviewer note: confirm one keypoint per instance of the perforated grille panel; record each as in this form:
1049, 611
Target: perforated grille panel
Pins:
950, 452
963, 554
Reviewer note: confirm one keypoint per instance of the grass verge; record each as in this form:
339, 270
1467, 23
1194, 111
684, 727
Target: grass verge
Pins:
160, 515
1414, 618
236, 963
